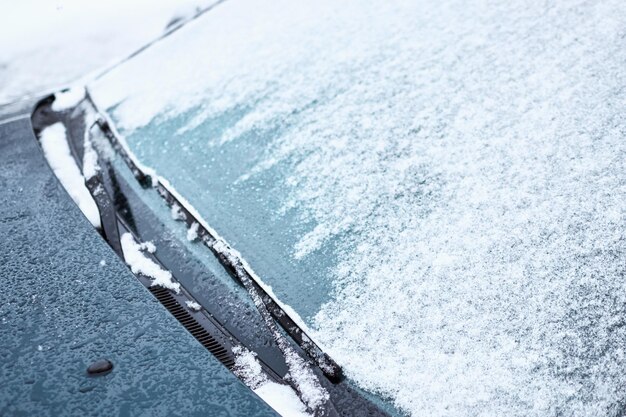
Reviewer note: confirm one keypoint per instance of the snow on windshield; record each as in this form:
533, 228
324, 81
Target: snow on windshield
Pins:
453, 171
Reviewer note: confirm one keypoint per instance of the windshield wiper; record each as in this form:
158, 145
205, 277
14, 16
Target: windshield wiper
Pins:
268, 307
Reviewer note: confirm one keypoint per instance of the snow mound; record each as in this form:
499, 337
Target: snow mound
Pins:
68, 99
57, 151
141, 264
282, 398
192, 305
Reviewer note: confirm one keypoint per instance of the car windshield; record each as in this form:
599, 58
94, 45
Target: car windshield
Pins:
437, 188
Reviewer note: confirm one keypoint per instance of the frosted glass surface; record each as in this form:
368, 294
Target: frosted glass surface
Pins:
437, 187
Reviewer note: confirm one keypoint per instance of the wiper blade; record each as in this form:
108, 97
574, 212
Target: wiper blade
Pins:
268, 307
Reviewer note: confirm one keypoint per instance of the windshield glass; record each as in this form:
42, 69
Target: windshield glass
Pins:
437, 188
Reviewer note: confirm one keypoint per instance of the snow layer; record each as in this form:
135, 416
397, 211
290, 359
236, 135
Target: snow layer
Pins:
67, 99
47, 44
281, 398
467, 161
192, 305
248, 368
141, 264
54, 144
